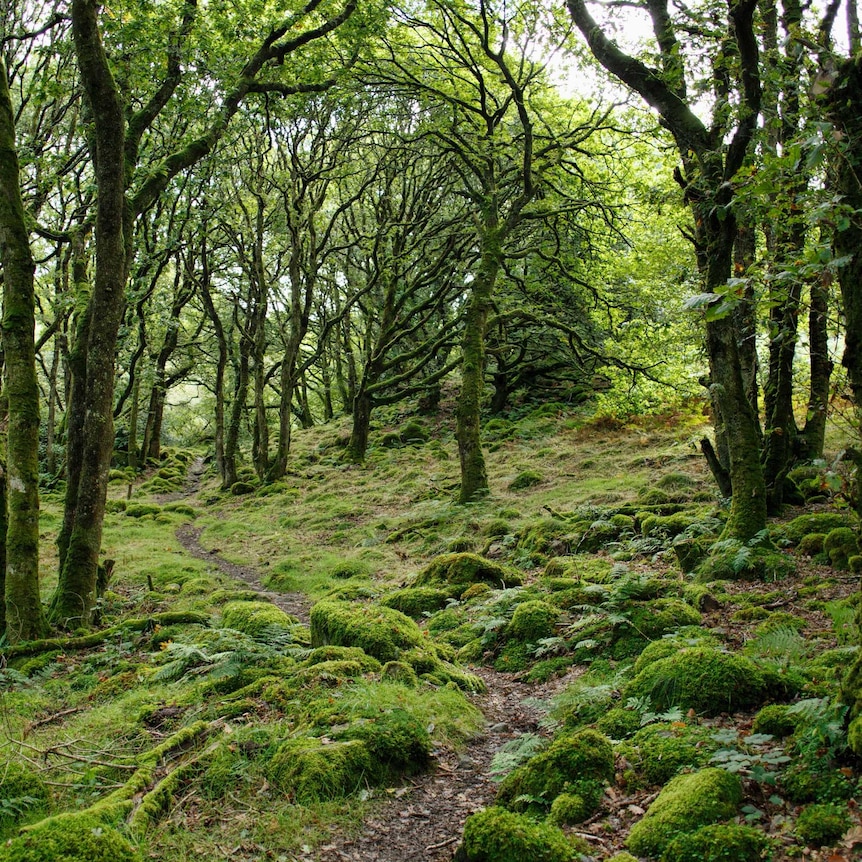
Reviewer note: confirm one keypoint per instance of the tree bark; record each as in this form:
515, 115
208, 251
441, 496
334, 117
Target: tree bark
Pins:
24, 617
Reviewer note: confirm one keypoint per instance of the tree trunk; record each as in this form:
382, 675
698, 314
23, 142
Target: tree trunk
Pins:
76, 589
221, 365
813, 436
231, 447
24, 617
474, 476
358, 445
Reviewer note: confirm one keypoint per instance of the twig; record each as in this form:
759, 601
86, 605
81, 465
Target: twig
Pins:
440, 844
54, 717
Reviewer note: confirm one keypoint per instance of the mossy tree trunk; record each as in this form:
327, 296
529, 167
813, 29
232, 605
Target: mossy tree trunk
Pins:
709, 166
813, 435
24, 617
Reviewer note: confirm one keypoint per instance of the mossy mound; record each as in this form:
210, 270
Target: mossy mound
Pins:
141, 510
736, 562
497, 835
579, 763
811, 544
416, 601
820, 522
705, 680
619, 723
397, 741
462, 570
379, 631
646, 621
666, 526
70, 838
253, 618
22, 793
527, 479
240, 489
721, 842
840, 545
822, 825
548, 536
775, 720
399, 671
669, 646
532, 621
658, 751
326, 654
309, 770
686, 803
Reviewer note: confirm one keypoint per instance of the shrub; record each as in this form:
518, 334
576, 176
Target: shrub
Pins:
823, 824
719, 843
496, 835
702, 679
252, 618
464, 569
71, 838
686, 803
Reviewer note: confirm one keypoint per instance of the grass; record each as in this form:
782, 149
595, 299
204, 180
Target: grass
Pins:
364, 531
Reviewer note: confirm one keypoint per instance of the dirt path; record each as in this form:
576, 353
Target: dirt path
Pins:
422, 820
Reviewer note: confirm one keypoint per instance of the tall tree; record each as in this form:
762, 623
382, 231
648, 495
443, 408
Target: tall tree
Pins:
711, 156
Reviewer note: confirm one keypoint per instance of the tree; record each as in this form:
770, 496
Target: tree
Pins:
22, 617
709, 168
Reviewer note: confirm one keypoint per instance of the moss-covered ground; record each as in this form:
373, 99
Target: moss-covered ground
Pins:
208, 724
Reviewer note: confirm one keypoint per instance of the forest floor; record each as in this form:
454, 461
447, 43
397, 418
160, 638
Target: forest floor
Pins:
185, 551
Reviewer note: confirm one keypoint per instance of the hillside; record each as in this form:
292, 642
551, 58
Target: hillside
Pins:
348, 665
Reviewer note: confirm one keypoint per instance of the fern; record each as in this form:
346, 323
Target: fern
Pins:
513, 753
785, 646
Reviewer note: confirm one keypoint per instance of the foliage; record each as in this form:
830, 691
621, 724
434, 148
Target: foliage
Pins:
497, 835
719, 843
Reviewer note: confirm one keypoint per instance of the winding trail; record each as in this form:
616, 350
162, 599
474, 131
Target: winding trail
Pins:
422, 820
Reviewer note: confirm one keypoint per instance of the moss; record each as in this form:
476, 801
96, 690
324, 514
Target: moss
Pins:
496, 835
811, 544
854, 563
619, 723
775, 720
462, 570
343, 570
780, 620
815, 780
181, 509
579, 763
527, 479
568, 809
721, 842
646, 621
840, 544
822, 825
475, 590
23, 792
332, 671
240, 489
820, 522
413, 432
703, 679
744, 563
416, 601
685, 804
548, 536
253, 618
71, 838
140, 510
666, 526
326, 654
658, 751
381, 632
399, 671
309, 770
37, 663
690, 553
532, 621
397, 741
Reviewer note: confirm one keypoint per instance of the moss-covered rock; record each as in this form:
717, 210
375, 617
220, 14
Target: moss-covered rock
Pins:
569, 808
658, 751
721, 842
70, 838
686, 803
823, 824
416, 601
840, 544
497, 835
253, 618
462, 570
140, 510
398, 742
731, 563
399, 671
23, 792
310, 770
579, 763
775, 720
619, 723
532, 621
705, 680
647, 621
820, 522
240, 489
527, 479
381, 632
811, 544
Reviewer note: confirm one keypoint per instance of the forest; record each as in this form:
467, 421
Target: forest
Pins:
430, 430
